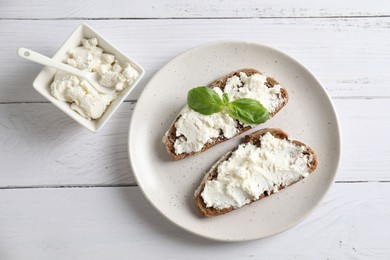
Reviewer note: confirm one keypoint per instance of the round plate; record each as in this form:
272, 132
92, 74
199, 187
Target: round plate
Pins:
169, 185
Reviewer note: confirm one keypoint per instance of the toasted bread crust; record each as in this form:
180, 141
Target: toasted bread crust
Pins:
170, 137
254, 139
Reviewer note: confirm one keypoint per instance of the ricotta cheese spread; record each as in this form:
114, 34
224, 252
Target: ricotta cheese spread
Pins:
85, 99
251, 171
194, 130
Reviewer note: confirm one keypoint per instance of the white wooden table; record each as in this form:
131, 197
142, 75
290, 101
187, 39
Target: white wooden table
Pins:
67, 193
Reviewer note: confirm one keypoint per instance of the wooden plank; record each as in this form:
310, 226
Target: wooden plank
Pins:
365, 141
189, 9
115, 223
42, 146
349, 56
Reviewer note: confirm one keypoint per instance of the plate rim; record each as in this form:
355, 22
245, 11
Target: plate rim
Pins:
260, 45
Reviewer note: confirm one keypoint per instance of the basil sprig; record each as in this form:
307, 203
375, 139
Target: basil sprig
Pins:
206, 101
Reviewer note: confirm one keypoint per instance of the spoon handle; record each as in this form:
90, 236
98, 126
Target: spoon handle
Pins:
42, 59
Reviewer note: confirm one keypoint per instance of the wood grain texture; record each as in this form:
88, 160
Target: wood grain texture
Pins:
47, 9
345, 44
115, 223
365, 141
42, 146
349, 56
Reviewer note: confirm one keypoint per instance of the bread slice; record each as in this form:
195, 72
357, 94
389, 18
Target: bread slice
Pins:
254, 139
170, 136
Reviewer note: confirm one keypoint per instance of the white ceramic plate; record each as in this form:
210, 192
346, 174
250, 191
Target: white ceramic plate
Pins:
170, 185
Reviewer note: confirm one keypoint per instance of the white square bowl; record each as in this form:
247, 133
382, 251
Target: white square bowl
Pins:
44, 79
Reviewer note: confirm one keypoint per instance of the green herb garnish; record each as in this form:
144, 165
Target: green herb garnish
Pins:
206, 101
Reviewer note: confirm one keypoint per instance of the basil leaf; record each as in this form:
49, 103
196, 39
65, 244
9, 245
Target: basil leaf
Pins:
204, 100
225, 98
248, 111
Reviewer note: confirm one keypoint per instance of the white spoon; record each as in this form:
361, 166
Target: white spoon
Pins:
91, 77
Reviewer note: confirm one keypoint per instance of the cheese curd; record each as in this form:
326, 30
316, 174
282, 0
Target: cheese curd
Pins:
251, 171
83, 98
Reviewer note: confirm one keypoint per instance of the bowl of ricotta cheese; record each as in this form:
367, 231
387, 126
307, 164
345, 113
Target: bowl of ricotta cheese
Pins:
87, 50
